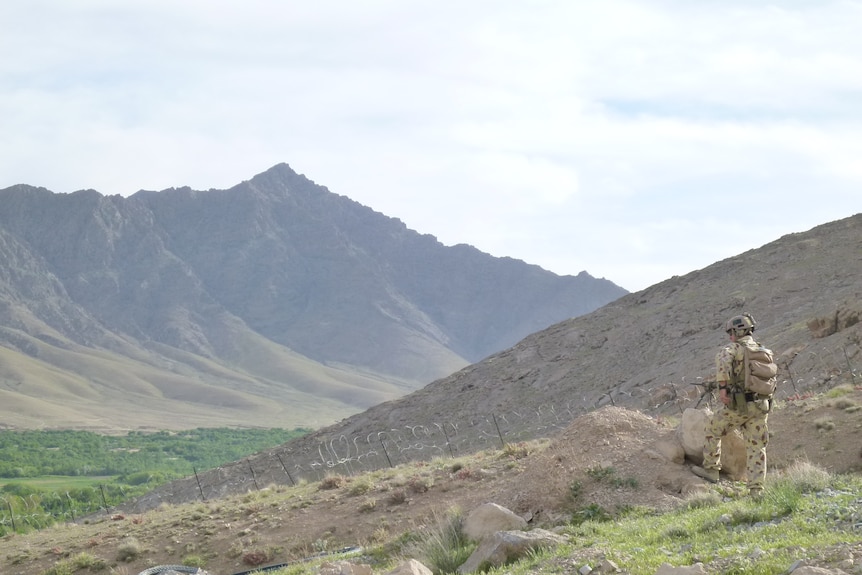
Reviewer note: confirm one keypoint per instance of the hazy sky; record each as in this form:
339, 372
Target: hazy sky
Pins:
635, 140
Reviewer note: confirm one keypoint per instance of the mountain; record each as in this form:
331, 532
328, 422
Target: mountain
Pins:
272, 303
641, 352
644, 350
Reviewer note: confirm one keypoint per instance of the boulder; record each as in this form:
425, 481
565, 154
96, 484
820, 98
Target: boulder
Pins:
669, 450
490, 518
344, 568
410, 567
667, 569
809, 570
507, 546
691, 435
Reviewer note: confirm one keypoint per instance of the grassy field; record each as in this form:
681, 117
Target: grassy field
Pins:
59, 483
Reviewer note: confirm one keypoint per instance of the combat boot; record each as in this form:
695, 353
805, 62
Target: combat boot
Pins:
710, 475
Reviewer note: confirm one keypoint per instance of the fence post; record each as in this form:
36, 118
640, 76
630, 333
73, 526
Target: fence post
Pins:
71, 506
104, 500
790, 374
500, 435
448, 443
849, 365
198, 479
253, 477
283, 466
385, 452
11, 513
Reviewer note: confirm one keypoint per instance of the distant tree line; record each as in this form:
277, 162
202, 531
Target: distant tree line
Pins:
26, 454
131, 465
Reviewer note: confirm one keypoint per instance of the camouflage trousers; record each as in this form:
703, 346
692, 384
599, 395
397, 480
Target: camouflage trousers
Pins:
755, 435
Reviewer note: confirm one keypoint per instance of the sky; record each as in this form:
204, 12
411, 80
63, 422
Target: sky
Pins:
634, 140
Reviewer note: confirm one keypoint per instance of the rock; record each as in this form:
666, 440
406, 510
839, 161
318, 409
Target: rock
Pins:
490, 518
506, 546
172, 570
344, 568
667, 569
808, 570
410, 567
691, 435
669, 449
845, 316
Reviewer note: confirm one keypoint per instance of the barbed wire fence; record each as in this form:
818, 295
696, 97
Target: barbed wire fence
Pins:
341, 454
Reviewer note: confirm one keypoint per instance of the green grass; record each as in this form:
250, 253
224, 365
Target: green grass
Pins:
802, 512
60, 483
50, 476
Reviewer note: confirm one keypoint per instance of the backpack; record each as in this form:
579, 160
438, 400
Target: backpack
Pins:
760, 370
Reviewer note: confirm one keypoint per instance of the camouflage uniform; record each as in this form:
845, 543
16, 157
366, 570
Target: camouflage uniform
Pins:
748, 416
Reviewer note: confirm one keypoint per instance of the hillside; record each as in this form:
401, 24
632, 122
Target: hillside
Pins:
275, 302
282, 523
600, 390
647, 347
641, 352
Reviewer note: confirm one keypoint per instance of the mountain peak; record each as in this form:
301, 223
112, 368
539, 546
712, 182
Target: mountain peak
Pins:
273, 289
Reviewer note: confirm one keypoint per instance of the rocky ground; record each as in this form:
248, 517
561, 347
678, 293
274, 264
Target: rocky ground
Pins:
279, 524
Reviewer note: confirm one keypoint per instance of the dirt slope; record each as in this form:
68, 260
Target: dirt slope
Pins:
281, 524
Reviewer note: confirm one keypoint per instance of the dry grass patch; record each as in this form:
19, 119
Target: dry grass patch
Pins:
824, 424
332, 482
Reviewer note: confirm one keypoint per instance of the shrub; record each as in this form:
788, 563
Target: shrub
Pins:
397, 497
846, 404
235, 550
824, 424
361, 486
839, 390
600, 473
129, 550
61, 568
87, 561
592, 512
464, 473
194, 561
255, 557
419, 483
575, 489
802, 476
630, 482
444, 547
369, 504
332, 482
516, 450
380, 535
702, 499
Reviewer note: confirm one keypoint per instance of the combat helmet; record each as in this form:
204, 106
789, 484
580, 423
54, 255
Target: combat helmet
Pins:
740, 325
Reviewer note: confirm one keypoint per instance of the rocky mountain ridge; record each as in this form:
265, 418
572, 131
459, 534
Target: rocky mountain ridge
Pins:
641, 352
275, 303
804, 289
618, 373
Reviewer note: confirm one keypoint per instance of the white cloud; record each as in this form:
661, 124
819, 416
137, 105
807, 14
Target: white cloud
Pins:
616, 137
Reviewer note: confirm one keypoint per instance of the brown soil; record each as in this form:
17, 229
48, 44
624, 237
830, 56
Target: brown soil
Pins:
608, 454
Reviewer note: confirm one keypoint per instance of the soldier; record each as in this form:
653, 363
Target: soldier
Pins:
742, 410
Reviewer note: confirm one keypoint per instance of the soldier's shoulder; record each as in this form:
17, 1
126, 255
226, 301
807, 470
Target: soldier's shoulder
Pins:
729, 350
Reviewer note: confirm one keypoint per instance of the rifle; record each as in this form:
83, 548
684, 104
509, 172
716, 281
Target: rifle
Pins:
708, 388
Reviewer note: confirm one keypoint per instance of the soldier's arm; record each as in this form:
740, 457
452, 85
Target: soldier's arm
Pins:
724, 372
